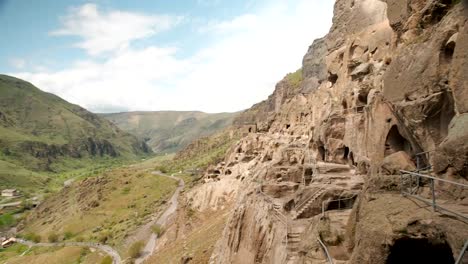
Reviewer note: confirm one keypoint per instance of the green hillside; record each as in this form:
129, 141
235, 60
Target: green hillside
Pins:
170, 131
41, 133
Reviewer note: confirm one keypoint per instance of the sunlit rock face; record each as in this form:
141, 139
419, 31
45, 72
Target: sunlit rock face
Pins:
321, 160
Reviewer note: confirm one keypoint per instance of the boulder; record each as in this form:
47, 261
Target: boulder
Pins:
392, 164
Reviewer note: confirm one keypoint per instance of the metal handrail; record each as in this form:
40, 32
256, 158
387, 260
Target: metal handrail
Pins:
308, 199
435, 206
434, 178
330, 260
462, 253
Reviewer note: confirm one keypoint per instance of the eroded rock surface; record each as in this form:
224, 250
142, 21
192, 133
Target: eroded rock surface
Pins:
322, 162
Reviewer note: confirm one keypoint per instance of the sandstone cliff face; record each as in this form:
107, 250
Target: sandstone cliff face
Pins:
322, 162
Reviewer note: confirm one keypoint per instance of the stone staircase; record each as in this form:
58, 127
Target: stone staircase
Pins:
301, 208
294, 240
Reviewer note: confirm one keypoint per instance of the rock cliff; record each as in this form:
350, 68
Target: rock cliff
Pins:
319, 166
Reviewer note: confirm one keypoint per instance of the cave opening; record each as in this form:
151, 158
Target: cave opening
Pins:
308, 175
396, 142
342, 204
333, 78
321, 150
346, 154
288, 126
439, 119
419, 250
362, 97
250, 130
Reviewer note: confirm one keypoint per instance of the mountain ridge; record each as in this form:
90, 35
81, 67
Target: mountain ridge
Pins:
170, 131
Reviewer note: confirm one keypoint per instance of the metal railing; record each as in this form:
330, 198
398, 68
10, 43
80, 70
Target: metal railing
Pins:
432, 179
462, 253
299, 207
327, 254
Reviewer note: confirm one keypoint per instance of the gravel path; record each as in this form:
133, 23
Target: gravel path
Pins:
151, 244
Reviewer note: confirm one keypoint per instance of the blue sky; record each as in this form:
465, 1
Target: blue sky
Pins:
209, 55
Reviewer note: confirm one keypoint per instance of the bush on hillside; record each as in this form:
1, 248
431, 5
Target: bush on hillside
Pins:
52, 238
158, 230
135, 249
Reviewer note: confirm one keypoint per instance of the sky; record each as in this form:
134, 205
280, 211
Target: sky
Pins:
148, 55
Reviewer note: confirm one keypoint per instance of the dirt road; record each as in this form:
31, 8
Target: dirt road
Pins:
162, 220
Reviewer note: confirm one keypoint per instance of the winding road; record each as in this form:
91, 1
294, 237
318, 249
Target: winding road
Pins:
150, 245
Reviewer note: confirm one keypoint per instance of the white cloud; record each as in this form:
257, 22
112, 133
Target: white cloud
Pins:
246, 56
18, 63
111, 31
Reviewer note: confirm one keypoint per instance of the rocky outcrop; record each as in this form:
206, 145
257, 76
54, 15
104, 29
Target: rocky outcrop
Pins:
321, 165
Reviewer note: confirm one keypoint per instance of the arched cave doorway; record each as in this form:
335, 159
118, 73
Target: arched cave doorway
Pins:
420, 250
396, 142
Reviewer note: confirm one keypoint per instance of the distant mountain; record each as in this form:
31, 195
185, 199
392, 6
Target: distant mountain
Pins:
42, 132
170, 131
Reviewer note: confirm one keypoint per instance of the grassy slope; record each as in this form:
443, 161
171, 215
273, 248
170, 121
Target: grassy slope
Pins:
198, 242
41, 133
169, 131
103, 208
53, 255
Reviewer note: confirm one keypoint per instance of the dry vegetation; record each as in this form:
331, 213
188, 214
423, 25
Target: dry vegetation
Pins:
105, 208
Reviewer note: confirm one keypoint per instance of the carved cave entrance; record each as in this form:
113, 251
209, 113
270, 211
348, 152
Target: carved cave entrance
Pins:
396, 142
420, 250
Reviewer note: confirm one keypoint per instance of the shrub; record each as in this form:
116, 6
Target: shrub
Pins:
135, 250
126, 190
52, 238
7, 220
104, 236
68, 235
158, 230
106, 260
79, 239
33, 237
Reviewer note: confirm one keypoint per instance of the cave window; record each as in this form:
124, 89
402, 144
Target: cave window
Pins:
345, 106
360, 109
333, 78
341, 57
345, 154
447, 52
250, 130
228, 172
396, 142
288, 126
362, 97
321, 151
419, 250
308, 176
